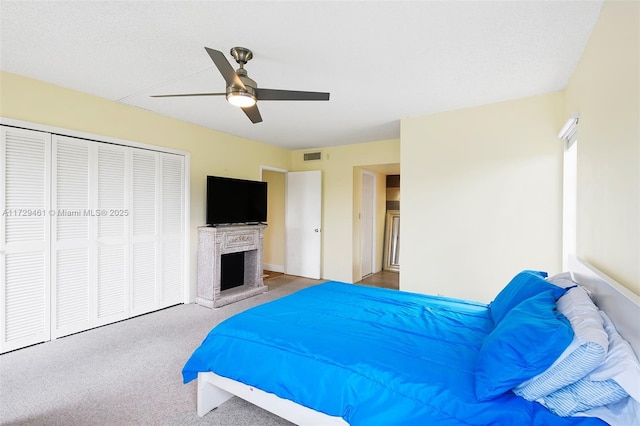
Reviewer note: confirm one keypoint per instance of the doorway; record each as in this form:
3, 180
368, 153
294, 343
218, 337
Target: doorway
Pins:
370, 204
274, 233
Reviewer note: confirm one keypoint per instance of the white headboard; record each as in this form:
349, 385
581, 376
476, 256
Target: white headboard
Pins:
619, 303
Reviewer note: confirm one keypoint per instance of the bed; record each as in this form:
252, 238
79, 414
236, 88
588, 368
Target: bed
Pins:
339, 353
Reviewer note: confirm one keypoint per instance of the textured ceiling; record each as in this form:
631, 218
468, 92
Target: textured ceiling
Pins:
381, 61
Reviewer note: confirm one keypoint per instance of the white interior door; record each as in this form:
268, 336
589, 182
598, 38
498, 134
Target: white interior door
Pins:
367, 221
303, 215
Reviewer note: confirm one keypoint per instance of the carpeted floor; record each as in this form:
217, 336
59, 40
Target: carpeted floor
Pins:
128, 373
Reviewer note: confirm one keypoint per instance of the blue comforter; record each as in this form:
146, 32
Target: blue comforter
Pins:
371, 356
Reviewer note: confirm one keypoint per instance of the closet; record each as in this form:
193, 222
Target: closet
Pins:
90, 233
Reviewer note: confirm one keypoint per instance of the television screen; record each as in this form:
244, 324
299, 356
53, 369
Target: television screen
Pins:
232, 201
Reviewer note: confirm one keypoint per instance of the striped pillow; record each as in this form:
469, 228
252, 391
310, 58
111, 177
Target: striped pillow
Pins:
613, 380
575, 363
583, 395
586, 352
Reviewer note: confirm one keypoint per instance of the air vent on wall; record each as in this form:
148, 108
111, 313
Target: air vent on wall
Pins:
313, 156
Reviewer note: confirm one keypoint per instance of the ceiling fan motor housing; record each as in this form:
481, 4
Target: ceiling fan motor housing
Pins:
249, 86
248, 82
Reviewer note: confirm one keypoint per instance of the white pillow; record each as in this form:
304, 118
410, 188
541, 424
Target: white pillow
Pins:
584, 316
621, 363
562, 280
587, 350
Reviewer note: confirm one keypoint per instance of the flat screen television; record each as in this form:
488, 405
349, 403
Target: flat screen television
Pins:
235, 201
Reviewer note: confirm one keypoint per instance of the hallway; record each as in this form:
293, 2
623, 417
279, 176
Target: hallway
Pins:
386, 279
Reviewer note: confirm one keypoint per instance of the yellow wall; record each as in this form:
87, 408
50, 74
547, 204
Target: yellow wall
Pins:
212, 152
605, 90
337, 168
481, 196
274, 236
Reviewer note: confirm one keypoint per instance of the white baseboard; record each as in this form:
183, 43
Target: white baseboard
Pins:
274, 268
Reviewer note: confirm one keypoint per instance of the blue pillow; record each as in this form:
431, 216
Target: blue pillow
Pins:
521, 287
524, 344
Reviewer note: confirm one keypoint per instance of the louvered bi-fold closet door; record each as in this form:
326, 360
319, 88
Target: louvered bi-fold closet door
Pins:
71, 232
144, 230
172, 224
112, 233
24, 237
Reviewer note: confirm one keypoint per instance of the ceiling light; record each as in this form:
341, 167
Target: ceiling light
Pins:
241, 99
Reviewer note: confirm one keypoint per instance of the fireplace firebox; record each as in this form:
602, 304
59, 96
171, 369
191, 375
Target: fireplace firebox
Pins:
231, 270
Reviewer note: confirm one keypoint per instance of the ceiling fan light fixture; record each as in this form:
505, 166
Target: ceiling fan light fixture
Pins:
241, 99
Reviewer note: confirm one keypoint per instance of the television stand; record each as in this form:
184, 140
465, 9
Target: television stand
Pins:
213, 243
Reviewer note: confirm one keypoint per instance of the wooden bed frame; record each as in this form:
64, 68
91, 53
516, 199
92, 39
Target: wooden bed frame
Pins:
619, 303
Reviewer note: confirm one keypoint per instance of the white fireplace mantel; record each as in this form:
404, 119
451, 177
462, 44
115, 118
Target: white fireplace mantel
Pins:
213, 242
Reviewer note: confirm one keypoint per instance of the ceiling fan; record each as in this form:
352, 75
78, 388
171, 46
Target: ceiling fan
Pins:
242, 91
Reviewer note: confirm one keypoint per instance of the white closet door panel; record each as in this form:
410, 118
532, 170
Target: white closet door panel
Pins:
112, 278
172, 194
26, 300
26, 177
111, 192
112, 294
172, 170
71, 243
144, 289
112, 233
144, 233
71, 188
25, 158
71, 297
172, 276
144, 188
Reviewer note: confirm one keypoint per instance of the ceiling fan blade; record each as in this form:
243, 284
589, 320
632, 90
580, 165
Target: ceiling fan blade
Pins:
289, 95
225, 68
188, 94
253, 113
